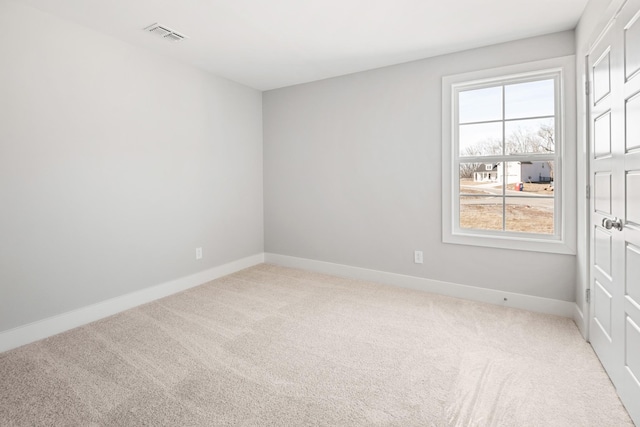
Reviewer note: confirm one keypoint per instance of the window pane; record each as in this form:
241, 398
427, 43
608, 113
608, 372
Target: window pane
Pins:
511, 175
532, 99
481, 213
480, 105
537, 172
530, 136
529, 215
530, 174
480, 139
478, 177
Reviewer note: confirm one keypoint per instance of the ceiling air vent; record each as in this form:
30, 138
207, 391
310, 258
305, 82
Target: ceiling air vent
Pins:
165, 32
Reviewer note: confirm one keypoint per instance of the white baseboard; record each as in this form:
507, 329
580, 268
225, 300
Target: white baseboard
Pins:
41, 329
521, 301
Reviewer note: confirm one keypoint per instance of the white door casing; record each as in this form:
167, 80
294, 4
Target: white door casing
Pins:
614, 72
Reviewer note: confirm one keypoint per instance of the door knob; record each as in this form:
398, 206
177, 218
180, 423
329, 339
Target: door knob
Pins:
612, 223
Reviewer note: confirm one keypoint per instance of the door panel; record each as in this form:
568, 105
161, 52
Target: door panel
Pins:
602, 135
601, 77
632, 357
633, 273
615, 208
602, 304
632, 46
602, 192
632, 113
633, 198
603, 251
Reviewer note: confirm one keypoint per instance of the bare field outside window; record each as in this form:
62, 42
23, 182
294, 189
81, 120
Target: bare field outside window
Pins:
481, 207
480, 216
521, 217
529, 218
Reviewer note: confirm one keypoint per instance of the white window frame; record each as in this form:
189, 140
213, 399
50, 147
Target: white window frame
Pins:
564, 239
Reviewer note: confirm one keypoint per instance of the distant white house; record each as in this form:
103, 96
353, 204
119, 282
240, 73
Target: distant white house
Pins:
515, 172
486, 173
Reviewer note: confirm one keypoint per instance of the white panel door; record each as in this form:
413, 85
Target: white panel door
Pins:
614, 64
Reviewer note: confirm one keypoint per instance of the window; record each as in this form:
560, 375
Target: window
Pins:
504, 158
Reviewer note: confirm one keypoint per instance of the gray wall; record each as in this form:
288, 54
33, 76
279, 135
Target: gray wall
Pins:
115, 164
352, 174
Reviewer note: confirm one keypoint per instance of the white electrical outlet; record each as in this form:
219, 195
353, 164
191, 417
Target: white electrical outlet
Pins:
198, 253
417, 257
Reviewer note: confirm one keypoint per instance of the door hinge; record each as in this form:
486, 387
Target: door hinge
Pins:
588, 295
586, 88
588, 191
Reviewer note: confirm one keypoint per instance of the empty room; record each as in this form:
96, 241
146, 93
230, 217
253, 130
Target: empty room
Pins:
407, 213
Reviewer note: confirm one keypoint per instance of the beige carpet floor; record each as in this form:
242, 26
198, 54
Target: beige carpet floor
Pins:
278, 346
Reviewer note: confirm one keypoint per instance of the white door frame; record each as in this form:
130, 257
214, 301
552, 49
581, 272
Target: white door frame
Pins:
612, 12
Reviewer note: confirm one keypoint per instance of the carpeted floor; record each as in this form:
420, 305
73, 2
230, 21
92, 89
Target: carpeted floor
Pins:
277, 346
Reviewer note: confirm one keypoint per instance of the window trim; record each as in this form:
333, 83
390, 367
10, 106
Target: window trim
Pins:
565, 206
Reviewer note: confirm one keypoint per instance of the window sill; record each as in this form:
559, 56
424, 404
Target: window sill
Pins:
519, 242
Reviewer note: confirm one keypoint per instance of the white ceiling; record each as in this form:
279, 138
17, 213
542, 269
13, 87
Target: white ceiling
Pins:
268, 44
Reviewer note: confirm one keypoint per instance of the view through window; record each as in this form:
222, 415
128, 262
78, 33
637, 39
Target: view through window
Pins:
506, 137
